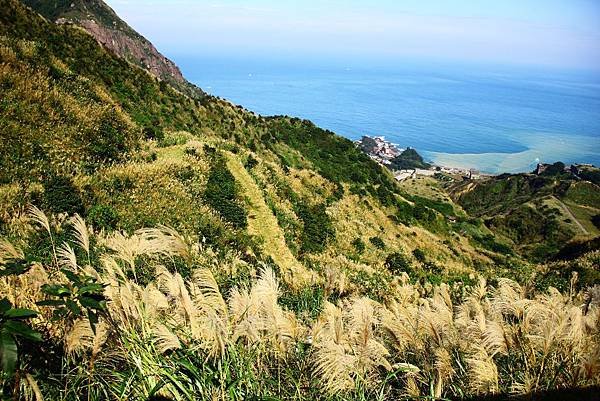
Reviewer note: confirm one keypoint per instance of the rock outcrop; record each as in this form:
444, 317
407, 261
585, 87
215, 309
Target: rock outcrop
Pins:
134, 50
100, 21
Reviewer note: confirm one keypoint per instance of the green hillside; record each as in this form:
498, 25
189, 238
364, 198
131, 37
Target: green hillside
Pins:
408, 159
160, 245
538, 214
101, 22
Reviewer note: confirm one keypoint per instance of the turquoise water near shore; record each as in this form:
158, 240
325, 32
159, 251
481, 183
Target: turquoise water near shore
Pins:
491, 119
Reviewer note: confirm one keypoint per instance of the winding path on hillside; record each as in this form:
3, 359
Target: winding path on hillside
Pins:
263, 224
572, 216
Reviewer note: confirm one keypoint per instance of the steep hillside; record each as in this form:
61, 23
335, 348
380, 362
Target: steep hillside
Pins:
539, 214
98, 19
156, 245
85, 113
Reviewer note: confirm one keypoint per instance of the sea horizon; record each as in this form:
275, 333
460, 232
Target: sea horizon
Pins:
495, 119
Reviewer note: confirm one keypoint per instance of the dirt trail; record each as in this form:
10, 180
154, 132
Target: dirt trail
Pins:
571, 216
263, 224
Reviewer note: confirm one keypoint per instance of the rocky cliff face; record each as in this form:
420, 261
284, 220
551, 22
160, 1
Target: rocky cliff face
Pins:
100, 21
134, 50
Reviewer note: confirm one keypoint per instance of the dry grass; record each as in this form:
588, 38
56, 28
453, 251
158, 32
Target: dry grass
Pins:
368, 219
263, 224
496, 339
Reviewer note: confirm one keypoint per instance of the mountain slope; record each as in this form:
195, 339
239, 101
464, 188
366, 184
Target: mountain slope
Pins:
189, 249
105, 119
98, 19
539, 214
263, 224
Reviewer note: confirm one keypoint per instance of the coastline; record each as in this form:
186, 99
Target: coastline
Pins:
391, 154
394, 157
541, 148
479, 121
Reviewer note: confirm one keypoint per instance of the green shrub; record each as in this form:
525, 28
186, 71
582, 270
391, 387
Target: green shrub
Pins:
359, 245
596, 221
215, 233
404, 212
397, 262
591, 175
318, 228
489, 242
419, 255
222, 195
444, 208
251, 162
308, 301
153, 132
103, 217
375, 286
61, 195
432, 269
377, 242
424, 214
113, 139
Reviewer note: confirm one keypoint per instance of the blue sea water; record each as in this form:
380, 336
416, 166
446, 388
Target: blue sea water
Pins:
491, 119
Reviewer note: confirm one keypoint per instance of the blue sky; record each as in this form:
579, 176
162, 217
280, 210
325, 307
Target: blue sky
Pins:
553, 33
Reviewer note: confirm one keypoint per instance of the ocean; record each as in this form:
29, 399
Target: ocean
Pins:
491, 119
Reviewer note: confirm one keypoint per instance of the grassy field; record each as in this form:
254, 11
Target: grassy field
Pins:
584, 215
138, 330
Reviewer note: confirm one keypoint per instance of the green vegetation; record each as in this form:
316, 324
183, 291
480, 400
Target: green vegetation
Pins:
583, 193
397, 263
61, 195
222, 194
13, 329
409, 159
317, 229
555, 169
76, 9
178, 338
101, 21
224, 255
504, 192
377, 242
489, 242
538, 214
103, 217
592, 175
334, 157
577, 260
444, 208
359, 245
527, 225
419, 255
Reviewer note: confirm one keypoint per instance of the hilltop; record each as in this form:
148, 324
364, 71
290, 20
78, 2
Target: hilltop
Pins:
539, 212
100, 21
160, 243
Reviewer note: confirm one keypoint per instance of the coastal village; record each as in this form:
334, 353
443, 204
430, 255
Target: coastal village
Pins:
385, 152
